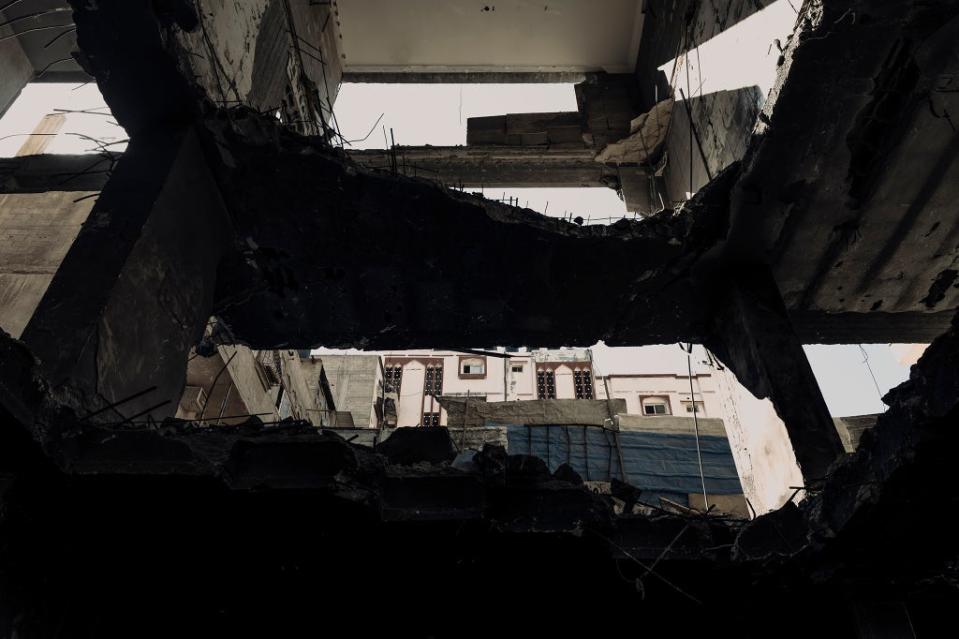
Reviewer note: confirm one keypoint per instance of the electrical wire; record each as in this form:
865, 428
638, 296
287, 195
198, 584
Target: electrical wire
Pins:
865, 360
692, 399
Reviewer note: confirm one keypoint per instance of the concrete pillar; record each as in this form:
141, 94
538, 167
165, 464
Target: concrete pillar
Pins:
135, 289
753, 336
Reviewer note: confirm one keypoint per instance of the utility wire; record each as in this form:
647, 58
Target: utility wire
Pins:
692, 399
865, 360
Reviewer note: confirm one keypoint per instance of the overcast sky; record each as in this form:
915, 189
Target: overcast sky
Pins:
38, 99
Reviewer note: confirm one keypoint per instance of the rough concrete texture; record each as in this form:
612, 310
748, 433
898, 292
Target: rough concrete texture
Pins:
647, 133
165, 476
673, 26
354, 381
288, 278
15, 67
36, 231
764, 456
854, 217
672, 424
479, 167
133, 253
752, 324
471, 413
722, 125
852, 429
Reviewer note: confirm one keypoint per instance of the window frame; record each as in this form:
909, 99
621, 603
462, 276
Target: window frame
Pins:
546, 389
658, 400
465, 360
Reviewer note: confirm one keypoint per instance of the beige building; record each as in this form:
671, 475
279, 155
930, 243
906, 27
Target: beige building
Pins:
420, 376
654, 395
658, 394
234, 383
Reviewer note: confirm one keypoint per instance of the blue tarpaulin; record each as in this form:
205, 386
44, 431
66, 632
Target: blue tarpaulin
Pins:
660, 464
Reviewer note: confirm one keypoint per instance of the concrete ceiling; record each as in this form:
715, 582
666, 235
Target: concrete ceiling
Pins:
46, 36
490, 35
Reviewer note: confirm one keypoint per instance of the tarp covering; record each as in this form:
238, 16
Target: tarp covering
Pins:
660, 464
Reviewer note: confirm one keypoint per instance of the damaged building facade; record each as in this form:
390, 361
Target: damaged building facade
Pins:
822, 212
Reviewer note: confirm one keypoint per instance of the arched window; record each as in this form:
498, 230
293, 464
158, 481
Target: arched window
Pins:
433, 384
583, 383
393, 378
545, 383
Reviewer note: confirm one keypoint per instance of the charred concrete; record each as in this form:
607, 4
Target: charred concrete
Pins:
262, 513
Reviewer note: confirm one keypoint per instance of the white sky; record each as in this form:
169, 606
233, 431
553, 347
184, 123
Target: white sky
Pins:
38, 99
742, 56
436, 114
843, 377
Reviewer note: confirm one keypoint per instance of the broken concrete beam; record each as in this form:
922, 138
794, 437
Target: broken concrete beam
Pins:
526, 129
135, 289
851, 218
83, 174
329, 254
754, 338
493, 167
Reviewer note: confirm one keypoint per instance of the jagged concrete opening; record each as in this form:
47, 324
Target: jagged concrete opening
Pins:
835, 225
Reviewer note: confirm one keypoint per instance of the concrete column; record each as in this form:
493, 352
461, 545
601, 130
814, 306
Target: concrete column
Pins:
753, 336
136, 287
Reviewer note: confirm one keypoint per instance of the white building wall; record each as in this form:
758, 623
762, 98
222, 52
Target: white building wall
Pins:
522, 385
411, 392
491, 385
674, 388
763, 453
565, 388
760, 445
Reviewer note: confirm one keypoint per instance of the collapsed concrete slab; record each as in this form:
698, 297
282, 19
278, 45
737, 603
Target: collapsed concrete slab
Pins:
318, 250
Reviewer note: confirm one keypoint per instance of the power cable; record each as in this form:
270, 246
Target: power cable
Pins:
692, 399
